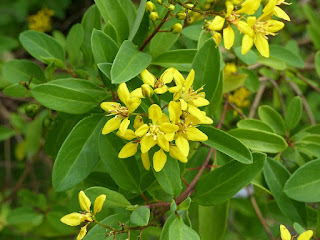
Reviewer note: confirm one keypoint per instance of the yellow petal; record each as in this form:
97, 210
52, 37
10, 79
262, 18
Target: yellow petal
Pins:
183, 145
128, 135
142, 130
159, 160
178, 78
154, 112
163, 119
145, 160
194, 134
251, 21
168, 128
84, 201
189, 80
98, 203
262, 45
285, 234
138, 122
107, 106
174, 89
147, 91
247, 43
111, 125
147, 142
249, 7
245, 28
184, 104
124, 126
281, 14
72, 219
274, 25
128, 150
270, 6
200, 102
161, 90
228, 37
147, 77
230, 8
206, 120
82, 233
169, 136
305, 235
174, 111
197, 113
217, 23
133, 103
163, 142
177, 154
167, 76
123, 93
217, 38
137, 93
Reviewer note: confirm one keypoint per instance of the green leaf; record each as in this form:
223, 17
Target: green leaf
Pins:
294, 113
124, 172
254, 124
6, 133
140, 216
112, 10
178, 230
78, 154
303, 184
314, 33
74, 42
137, 23
70, 95
276, 176
317, 63
252, 82
166, 227
227, 144
204, 36
162, 42
111, 31
310, 148
260, 140
113, 200
284, 54
24, 218
223, 183
232, 82
180, 59
104, 49
43, 47
17, 90
272, 118
169, 177
249, 58
206, 65
272, 62
217, 214
128, 63
16, 71
311, 14
7, 43
91, 20
192, 31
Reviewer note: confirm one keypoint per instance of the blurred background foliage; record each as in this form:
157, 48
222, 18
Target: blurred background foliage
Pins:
30, 209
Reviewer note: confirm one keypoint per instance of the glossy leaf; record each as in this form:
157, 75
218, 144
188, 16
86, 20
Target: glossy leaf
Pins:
169, 177
69, 95
254, 124
74, 161
192, 31
43, 47
276, 176
260, 140
227, 144
224, 182
303, 184
74, 42
271, 117
137, 23
294, 113
124, 172
140, 216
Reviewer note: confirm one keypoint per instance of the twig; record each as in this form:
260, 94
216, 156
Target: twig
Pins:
237, 110
257, 99
276, 86
299, 75
259, 214
223, 115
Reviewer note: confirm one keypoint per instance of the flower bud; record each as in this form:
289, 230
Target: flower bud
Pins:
181, 15
189, 5
171, 7
32, 110
150, 7
159, 1
154, 16
176, 28
147, 91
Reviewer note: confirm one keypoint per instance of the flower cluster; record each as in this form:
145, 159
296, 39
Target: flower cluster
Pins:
255, 29
168, 129
239, 97
87, 216
41, 21
285, 234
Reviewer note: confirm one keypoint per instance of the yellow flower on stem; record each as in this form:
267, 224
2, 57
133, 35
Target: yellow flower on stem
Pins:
121, 119
272, 9
159, 85
285, 234
87, 216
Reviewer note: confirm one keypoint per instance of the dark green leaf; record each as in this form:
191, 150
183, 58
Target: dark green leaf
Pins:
78, 154
74, 42
294, 113
70, 95
260, 140
128, 63
136, 25
140, 216
43, 47
271, 117
166, 227
227, 144
223, 183
276, 176
254, 124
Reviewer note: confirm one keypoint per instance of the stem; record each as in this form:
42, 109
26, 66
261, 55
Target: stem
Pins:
257, 99
223, 115
154, 32
299, 75
258, 212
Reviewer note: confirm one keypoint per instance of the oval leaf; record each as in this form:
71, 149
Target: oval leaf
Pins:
294, 113
140, 216
178, 230
253, 124
74, 42
271, 117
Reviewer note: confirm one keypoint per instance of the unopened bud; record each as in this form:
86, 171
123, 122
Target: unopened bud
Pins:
150, 7
171, 7
147, 91
176, 28
181, 15
154, 16
32, 110
159, 1
189, 5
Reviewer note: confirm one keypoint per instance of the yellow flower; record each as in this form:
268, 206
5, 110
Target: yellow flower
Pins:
272, 9
249, 7
239, 97
285, 234
41, 21
87, 216
121, 120
159, 85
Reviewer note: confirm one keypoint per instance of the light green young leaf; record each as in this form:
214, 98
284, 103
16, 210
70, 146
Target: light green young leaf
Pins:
254, 124
178, 230
140, 216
